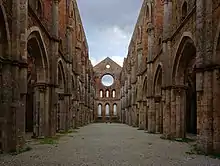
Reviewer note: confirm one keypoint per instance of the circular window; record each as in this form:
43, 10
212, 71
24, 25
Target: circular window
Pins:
107, 80
107, 66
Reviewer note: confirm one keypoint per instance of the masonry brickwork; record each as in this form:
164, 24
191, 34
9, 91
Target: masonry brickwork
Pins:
46, 76
107, 98
171, 72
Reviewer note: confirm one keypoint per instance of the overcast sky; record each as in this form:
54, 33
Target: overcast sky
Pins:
109, 25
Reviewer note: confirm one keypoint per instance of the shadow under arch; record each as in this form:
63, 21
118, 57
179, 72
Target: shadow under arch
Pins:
184, 81
37, 108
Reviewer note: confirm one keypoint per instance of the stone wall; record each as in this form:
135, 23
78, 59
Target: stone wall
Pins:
177, 86
107, 67
43, 48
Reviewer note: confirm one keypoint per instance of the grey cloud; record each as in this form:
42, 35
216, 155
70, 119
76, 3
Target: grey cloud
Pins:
108, 13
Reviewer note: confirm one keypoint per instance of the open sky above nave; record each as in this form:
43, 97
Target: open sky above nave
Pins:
109, 25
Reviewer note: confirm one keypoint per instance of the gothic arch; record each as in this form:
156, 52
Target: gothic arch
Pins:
216, 48
183, 57
34, 34
37, 77
148, 11
184, 80
61, 74
71, 10
5, 26
144, 88
158, 79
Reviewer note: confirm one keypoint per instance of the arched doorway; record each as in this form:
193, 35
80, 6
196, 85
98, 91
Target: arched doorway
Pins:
4, 71
99, 113
107, 111
145, 106
61, 108
157, 99
115, 113
37, 74
184, 78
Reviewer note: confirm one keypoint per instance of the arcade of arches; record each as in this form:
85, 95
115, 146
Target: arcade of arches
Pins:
46, 83
169, 83
170, 77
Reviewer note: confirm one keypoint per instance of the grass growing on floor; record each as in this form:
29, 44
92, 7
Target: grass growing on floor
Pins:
68, 132
195, 150
50, 140
186, 140
21, 150
55, 139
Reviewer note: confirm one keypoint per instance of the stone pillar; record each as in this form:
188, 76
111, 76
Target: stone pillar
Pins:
216, 112
205, 111
145, 116
173, 113
180, 107
157, 101
167, 113
151, 116
141, 115
53, 63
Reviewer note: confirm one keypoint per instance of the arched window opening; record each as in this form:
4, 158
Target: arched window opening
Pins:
147, 13
39, 8
115, 109
101, 93
113, 94
184, 10
139, 57
99, 110
60, 77
71, 10
107, 110
160, 41
107, 93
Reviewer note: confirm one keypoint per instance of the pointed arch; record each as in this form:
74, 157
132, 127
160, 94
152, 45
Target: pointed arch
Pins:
115, 109
99, 113
216, 48
144, 88
61, 77
107, 109
185, 56
158, 79
35, 38
5, 28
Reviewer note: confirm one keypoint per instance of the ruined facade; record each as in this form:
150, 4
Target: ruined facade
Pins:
46, 76
107, 88
170, 78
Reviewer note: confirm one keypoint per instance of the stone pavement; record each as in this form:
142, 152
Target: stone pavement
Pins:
109, 145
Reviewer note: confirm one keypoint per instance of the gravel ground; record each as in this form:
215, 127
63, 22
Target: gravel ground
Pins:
109, 145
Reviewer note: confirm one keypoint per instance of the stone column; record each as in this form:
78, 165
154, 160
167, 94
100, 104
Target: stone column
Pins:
141, 115
145, 116
173, 113
180, 112
151, 115
167, 112
205, 111
157, 101
53, 63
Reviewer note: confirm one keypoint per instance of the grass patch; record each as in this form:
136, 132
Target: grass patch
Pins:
50, 140
67, 132
55, 139
21, 150
186, 140
195, 150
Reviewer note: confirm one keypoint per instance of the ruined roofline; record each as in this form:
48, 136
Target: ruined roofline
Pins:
105, 60
137, 22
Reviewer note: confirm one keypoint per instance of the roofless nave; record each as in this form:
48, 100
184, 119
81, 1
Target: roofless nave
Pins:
169, 82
